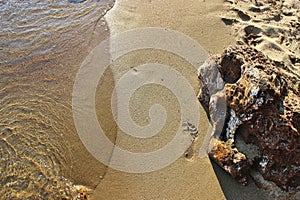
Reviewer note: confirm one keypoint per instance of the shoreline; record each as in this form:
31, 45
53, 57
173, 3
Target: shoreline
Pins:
187, 177
43, 52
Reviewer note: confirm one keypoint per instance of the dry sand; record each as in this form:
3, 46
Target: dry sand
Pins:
270, 26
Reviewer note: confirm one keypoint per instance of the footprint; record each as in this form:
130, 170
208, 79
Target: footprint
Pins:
273, 32
277, 17
188, 154
228, 21
244, 16
250, 29
254, 9
274, 46
191, 129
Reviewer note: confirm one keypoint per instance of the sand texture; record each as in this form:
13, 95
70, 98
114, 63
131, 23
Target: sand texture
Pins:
43, 46
189, 177
261, 77
270, 26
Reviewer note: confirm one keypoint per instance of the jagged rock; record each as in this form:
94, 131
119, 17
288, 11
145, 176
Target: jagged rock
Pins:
263, 105
230, 159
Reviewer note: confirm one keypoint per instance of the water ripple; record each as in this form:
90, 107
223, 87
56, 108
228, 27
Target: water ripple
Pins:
39, 46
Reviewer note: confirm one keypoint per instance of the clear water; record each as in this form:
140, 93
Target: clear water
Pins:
42, 44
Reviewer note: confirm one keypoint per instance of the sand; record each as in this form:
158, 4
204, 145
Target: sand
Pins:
42, 72
214, 25
41, 61
186, 178
270, 26
42, 53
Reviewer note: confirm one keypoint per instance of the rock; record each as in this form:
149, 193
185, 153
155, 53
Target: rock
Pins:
230, 159
212, 82
263, 106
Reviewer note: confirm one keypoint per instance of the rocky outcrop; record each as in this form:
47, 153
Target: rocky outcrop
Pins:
263, 106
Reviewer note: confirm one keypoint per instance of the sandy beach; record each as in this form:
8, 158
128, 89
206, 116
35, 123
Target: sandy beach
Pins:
191, 178
209, 23
42, 153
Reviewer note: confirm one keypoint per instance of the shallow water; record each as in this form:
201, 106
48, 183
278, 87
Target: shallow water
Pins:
42, 44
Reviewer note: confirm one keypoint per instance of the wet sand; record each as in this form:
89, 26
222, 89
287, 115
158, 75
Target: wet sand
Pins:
187, 178
37, 129
194, 178
44, 157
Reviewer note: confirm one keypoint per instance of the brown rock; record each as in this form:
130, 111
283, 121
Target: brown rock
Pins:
263, 104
